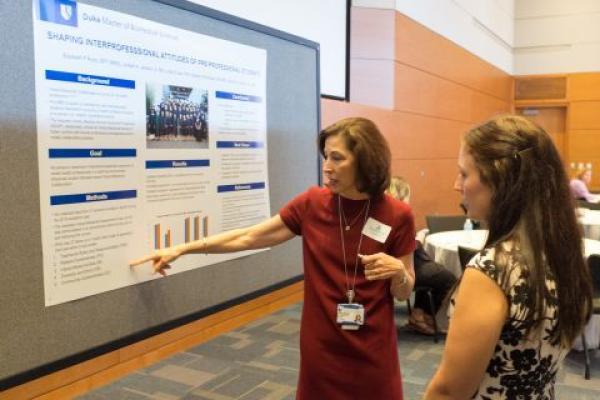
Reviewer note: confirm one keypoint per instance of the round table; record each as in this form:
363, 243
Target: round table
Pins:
590, 221
443, 246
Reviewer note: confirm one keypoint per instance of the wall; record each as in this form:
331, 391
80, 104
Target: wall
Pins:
579, 98
423, 91
483, 27
557, 36
584, 121
562, 38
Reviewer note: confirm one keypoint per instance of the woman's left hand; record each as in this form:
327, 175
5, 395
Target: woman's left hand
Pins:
382, 266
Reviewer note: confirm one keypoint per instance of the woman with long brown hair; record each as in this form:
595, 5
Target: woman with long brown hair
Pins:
526, 296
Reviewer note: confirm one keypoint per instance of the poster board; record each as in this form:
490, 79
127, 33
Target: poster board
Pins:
37, 337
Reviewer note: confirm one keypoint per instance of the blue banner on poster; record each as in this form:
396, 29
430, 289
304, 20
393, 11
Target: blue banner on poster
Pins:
239, 145
237, 96
88, 79
91, 153
176, 164
92, 197
240, 186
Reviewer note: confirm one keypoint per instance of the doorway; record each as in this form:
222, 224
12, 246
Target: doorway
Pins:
553, 120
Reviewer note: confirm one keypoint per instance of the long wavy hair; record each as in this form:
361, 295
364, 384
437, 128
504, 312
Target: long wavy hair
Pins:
533, 207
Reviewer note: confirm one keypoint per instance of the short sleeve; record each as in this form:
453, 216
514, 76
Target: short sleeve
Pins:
507, 270
484, 263
502, 269
292, 214
403, 240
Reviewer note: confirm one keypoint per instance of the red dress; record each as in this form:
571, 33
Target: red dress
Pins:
334, 363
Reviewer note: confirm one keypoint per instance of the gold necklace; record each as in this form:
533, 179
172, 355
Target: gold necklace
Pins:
350, 293
347, 225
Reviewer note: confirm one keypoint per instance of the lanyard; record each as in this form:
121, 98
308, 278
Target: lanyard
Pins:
350, 293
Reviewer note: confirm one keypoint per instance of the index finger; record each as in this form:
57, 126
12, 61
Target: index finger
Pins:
142, 260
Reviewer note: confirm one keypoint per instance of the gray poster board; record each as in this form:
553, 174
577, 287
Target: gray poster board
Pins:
36, 340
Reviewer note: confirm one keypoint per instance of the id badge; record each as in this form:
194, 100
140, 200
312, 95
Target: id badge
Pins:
350, 316
376, 230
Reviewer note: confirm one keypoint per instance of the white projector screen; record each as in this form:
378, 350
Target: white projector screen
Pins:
322, 21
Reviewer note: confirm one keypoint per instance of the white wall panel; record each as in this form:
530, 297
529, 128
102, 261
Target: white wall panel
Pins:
544, 32
508, 6
483, 27
493, 15
539, 8
558, 59
557, 36
385, 4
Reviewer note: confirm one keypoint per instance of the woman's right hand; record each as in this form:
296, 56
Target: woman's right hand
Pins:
161, 259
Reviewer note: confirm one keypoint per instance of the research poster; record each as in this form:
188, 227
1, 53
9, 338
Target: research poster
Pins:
148, 136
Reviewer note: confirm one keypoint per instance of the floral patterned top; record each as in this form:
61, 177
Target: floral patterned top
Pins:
521, 367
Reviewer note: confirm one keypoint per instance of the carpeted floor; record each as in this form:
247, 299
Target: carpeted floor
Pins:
260, 361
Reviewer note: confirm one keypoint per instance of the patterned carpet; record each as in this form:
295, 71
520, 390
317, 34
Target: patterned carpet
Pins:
260, 361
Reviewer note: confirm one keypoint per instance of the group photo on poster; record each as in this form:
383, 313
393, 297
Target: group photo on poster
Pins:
176, 117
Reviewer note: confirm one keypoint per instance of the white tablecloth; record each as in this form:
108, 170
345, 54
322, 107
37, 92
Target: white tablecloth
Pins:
590, 220
443, 247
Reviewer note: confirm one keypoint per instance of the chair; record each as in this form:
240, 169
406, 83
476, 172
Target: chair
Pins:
465, 255
441, 223
421, 256
588, 205
593, 262
429, 291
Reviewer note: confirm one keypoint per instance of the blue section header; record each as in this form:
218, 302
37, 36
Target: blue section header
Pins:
240, 186
91, 153
91, 197
240, 145
176, 164
237, 96
62, 12
89, 79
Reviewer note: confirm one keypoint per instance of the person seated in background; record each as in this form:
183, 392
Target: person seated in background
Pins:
579, 186
427, 272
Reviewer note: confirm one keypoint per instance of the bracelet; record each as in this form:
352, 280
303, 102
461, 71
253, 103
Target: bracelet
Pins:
204, 246
404, 280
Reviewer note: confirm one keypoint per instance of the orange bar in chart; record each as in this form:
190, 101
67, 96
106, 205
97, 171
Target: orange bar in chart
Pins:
205, 226
196, 227
187, 230
168, 238
157, 236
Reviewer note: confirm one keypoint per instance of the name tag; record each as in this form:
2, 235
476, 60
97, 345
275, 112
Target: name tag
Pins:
350, 316
376, 230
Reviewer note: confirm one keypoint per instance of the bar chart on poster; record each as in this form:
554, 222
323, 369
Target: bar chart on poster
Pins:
194, 227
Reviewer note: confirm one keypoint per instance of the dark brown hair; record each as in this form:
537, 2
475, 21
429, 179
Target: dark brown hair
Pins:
370, 149
532, 206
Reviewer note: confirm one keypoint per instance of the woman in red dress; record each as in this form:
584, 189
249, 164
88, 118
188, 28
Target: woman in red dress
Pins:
357, 250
